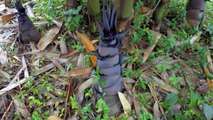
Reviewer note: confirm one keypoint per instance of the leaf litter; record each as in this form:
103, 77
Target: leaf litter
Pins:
67, 73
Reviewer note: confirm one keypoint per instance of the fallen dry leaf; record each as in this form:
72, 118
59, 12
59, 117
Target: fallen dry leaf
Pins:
148, 50
57, 23
210, 62
48, 38
128, 80
209, 80
125, 103
54, 118
63, 47
82, 87
8, 17
136, 104
78, 72
3, 57
12, 86
195, 37
160, 83
4, 74
203, 88
145, 10
81, 61
156, 110
21, 107
75, 52
88, 45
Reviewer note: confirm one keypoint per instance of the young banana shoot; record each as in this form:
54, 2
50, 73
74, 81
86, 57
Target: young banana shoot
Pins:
109, 59
27, 30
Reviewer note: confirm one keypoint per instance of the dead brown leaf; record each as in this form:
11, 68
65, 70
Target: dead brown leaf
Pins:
21, 107
148, 50
160, 83
145, 10
128, 80
125, 103
136, 104
81, 61
78, 72
195, 37
163, 85
88, 45
4, 74
82, 87
156, 111
203, 88
54, 118
8, 17
63, 47
48, 38
75, 52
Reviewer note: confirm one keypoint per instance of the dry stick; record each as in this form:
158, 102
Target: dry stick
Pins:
30, 53
16, 76
156, 5
10, 26
5, 113
151, 13
69, 93
26, 72
12, 86
58, 65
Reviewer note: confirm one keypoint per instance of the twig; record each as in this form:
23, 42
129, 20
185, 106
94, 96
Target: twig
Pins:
5, 113
26, 72
18, 73
156, 5
12, 86
9, 26
58, 65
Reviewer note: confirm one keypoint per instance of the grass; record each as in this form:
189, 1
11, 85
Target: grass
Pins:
180, 67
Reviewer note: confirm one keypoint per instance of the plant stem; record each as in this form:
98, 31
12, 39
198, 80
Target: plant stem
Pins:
124, 8
160, 11
93, 7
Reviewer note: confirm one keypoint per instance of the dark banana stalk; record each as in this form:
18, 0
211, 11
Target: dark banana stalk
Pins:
27, 30
195, 9
109, 59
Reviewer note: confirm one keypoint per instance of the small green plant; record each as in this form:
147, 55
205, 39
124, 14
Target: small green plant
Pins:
171, 100
73, 19
102, 108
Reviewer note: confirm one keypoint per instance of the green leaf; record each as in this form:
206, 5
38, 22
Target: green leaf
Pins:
171, 99
194, 99
208, 111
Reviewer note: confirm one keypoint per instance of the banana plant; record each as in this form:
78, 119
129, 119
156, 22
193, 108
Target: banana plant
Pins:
27, 30
109, 59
